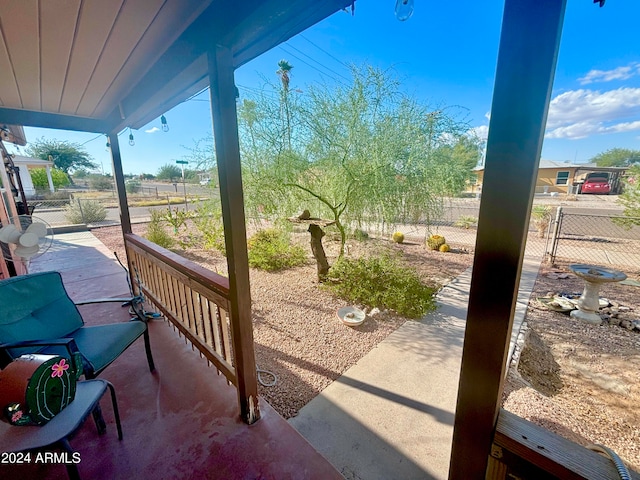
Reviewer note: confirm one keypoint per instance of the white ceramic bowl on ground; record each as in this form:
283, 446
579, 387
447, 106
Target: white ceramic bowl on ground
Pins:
351, 316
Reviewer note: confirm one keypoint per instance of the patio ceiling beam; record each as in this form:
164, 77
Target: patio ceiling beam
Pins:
227, 148
527, 57
29, 118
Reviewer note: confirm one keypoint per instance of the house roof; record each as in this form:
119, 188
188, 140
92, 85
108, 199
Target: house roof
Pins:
20, 160
553, 164
105, 65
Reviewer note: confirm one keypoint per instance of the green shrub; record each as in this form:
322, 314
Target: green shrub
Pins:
360, 235
156, 232
466, 221
100, 182
208, 221
176, 218
132, 186
271, 250
85, 211
541, 217
382, 282
41, 181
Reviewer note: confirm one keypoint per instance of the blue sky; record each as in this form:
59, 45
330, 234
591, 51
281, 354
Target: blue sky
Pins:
445, 54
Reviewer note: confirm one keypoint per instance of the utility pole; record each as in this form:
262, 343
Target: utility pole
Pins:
182, 163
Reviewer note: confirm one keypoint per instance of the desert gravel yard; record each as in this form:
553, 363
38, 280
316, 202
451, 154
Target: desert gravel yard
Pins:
578, 380
297, 334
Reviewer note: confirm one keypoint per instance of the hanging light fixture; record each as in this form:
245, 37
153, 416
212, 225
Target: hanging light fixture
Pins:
132, 142
404, 9
165, 125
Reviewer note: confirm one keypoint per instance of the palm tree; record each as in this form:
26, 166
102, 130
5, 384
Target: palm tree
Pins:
283, 72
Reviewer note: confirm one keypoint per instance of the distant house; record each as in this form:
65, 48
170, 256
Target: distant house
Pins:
24, 164
562, 177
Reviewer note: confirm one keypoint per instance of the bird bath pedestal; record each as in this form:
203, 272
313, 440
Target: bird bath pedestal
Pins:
315, 229
589, 301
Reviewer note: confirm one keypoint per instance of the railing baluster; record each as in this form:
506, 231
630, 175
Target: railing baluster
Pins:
193, 300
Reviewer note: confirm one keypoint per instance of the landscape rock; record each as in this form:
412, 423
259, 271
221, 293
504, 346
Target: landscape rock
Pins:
614, 321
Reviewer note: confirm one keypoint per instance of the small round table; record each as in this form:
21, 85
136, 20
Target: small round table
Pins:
593, 276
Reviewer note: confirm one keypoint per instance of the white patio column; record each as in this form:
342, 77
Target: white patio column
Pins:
50, 179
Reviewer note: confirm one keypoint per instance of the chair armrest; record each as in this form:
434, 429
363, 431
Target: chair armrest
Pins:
69, 343
126, 300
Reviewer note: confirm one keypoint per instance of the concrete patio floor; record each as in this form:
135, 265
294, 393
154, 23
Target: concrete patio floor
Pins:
181, 421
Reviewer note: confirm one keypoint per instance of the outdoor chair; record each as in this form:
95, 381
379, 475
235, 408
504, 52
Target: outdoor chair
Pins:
36, 307
56, 433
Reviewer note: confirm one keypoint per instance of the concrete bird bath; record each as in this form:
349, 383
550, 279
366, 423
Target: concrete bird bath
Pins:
593, 276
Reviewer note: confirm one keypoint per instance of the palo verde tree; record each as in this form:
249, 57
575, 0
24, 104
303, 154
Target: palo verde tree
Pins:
66, 156
365, 152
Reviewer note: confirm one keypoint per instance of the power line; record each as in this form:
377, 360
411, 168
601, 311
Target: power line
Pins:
323, 50
94, 138
312, 66
319, 63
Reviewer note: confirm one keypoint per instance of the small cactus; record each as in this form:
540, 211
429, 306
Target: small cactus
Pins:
434, 241
398, 237
444, 247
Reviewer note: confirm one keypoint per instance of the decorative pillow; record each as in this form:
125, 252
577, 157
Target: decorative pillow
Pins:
34, 388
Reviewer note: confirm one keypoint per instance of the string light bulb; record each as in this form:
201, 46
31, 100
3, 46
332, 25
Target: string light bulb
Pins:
404, 9
132, 142
165, 125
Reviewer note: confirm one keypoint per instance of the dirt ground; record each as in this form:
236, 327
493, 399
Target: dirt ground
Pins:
579, 380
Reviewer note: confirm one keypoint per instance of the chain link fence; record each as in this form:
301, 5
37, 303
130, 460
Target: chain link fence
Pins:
608, 240
97, 210
458, 224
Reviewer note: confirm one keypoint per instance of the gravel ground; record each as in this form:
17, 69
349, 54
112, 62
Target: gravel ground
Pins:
297, 334
579, 380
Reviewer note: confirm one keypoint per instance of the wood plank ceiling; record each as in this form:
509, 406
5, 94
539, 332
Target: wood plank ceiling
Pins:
78, 57
104, 65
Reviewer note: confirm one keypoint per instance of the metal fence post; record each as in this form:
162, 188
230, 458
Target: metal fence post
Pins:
81, 212
556, 235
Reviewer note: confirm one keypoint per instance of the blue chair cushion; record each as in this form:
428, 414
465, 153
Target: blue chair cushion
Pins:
36, 307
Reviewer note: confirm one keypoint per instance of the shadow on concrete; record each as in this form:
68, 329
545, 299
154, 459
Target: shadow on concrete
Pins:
439, 414
356, 451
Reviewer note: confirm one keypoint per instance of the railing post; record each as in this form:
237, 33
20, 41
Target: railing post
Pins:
227, 148
118, 175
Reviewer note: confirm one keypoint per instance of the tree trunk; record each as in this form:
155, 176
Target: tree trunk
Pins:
318, 251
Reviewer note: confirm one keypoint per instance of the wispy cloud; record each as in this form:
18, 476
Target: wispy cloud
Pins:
152, 130
481, 132
620, 73
580, 113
